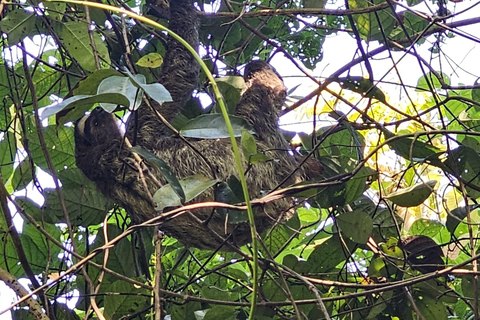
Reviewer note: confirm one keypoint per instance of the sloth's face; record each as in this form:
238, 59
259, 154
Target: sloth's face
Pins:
97, 128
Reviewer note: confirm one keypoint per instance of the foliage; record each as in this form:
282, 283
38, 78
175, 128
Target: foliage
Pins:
389, 232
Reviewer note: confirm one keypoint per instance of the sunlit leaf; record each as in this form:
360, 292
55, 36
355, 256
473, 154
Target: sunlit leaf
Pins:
431, 81
412, 196
150, 60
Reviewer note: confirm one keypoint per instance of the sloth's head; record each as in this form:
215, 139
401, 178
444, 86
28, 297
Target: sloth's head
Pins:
96, 129
263, 80
256, 66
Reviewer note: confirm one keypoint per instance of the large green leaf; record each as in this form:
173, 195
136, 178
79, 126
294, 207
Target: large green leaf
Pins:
212, 126
431, 308
476, 91
192, 186
356, 225
414, 195
9, 258
85, 102
22, 175
121, 256
464, 163
155, 90
60, 147
85, 204
76, 40
372, 26
128, 303
18, 24
413, 24
363, 86
412, 149
38, 250
325, 257
456, 216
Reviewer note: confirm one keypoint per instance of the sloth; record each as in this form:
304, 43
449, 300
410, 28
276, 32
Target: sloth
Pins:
102, 155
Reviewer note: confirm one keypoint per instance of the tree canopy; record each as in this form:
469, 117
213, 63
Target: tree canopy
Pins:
390, 231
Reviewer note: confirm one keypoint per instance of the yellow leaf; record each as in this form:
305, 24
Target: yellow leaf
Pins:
151, 60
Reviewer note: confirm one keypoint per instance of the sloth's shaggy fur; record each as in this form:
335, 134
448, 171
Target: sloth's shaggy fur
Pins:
102, 156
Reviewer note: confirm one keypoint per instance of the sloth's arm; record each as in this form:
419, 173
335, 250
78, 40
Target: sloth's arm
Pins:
179, 75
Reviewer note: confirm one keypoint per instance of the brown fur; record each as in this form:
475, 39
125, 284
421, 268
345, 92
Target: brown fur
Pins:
101, 155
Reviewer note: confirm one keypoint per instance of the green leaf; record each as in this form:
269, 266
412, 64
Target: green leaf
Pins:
221, 312
464, 162
37, 249
9, 259
89, 85
314, 3
424, 227
60, 146
431, 308
18, 24
356, 225
412, 3
372, 26
123, 86
186, 311
22, 175
212, 126
433, 80
156, 91
5, 116
308, 215
357, 185
76, 39
8, 150
457, 215
121, 256
150, 60
412, 149
412, 24
231, 87
129, 302
55, 10
85, 102
325, 257
192, 185
467, 285
414, 195
249, 148
363, 86
172, 179
223, 193
85, 205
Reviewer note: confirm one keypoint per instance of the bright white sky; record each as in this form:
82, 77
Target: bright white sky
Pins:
458, 59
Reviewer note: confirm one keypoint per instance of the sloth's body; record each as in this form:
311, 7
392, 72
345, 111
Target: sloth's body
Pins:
101, 153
